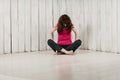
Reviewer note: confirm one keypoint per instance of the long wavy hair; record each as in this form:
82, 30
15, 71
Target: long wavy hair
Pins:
64, 22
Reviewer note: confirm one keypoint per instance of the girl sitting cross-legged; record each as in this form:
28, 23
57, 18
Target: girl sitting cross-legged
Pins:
64, 44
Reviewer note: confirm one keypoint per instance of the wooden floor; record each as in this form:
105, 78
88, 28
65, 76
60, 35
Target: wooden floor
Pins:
44, 65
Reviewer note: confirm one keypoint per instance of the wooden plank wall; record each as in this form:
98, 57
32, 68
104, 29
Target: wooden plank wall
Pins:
25, 24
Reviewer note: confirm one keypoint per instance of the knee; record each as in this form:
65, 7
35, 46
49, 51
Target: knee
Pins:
49, 41
79, 42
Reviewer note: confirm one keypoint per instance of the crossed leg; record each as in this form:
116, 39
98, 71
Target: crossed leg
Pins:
69, 50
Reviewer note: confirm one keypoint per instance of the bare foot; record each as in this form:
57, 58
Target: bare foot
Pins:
70, 52
57, 53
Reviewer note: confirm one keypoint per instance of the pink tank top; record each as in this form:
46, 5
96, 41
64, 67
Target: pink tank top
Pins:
64, 38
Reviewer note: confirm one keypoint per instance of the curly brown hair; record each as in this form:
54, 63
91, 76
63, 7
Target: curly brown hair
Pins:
64, 22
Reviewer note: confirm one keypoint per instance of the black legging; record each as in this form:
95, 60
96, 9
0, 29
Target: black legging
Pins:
57, 47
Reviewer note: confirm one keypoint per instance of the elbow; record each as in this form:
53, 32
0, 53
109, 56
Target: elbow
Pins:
76, 34
51, 33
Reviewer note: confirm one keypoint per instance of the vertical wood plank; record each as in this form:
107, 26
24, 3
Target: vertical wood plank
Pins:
1, 26
6, 35
118, 24
97, 22
14, 24
42, 24
34, 25
88, 21
69, 7
108, 26
93, 24
74, 14
85, 42
21, 20
103, 26
62, 6
114, 26
81, 19
56, 12
27, 25
48, 20
98, 36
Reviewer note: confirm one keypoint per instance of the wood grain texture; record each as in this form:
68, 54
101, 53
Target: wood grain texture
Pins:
74, 13
42, 24
25, 24
114, 35
6, 12
103, 25
108, 26
34, 25
62, 6
1, 26
118, 24
15, 26
49, 17
81, 21
85, 26
21, 24
56, 15
98, 34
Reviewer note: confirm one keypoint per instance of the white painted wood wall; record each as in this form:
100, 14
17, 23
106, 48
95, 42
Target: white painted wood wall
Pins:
25, 24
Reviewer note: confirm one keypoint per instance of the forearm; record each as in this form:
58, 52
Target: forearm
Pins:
52, 31
52, 36
76, 36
